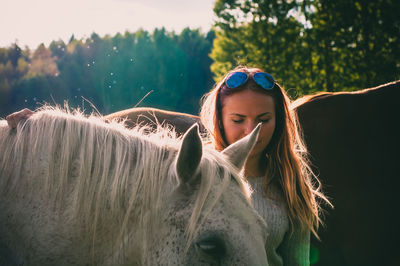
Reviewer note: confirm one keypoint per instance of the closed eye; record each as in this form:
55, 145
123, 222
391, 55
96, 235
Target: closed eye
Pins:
212, 246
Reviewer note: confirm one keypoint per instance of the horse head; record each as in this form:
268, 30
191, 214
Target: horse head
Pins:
221, 229
90, 193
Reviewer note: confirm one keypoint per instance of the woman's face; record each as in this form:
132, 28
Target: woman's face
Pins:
241, 113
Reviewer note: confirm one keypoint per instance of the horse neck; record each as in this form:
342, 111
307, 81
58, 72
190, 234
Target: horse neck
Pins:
101, 172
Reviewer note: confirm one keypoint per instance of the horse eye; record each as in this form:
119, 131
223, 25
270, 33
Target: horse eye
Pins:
212, 246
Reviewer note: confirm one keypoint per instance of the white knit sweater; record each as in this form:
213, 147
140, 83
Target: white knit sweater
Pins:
282, 247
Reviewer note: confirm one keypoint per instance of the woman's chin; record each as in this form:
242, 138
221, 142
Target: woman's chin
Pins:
255, 153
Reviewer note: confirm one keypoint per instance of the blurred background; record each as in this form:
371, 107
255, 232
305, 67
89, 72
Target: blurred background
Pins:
113, 52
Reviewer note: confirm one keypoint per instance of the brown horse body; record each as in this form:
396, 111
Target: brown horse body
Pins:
153, 117
353, 142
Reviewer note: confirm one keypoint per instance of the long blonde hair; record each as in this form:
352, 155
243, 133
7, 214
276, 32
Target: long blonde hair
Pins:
287, 156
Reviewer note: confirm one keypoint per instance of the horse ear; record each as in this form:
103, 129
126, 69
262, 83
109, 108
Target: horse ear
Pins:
189, 155
238, 152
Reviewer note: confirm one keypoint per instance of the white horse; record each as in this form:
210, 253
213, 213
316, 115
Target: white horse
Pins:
78, 191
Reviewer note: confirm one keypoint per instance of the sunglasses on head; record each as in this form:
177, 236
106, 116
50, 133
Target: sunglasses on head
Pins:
237, 79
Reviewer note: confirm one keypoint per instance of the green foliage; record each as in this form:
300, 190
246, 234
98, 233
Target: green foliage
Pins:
113, 73
310, 46
307, 45
13, 66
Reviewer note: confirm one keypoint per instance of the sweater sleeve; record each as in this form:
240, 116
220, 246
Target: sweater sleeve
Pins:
295, 248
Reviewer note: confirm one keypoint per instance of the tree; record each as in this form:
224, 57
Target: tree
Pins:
112, 72
13, 66
42, 62
360, 44
310, 45
197, 74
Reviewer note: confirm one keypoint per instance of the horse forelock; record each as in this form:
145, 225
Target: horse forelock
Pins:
217, 173
102, 169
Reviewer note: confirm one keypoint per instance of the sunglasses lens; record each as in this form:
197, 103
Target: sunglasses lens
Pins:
265, 80
236, 79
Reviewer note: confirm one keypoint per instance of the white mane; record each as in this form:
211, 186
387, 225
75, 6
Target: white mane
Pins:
103, 171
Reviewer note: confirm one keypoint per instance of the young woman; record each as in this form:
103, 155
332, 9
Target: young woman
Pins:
284, 194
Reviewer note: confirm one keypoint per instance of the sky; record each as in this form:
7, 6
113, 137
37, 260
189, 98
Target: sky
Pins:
31, 22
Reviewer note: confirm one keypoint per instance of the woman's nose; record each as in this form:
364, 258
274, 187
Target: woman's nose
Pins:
249, 127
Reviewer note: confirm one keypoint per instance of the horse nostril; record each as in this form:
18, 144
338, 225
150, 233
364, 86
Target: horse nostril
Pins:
212, 246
